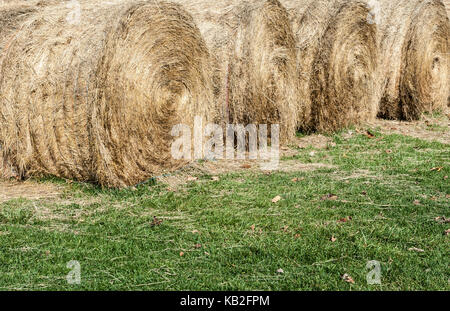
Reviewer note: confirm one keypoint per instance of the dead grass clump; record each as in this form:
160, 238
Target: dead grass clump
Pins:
94, 98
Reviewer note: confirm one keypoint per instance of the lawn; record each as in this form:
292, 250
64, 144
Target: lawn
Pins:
382, 197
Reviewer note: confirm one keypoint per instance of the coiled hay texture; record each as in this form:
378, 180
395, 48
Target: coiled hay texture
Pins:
414, 68
337, 58
254, 51
92, 94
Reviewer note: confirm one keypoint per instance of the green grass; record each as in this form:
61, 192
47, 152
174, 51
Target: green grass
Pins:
385, 184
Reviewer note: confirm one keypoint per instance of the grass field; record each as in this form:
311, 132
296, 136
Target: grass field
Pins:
381, 197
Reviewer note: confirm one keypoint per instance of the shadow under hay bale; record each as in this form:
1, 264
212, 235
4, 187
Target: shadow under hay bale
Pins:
94, 98
337, 57
414, 38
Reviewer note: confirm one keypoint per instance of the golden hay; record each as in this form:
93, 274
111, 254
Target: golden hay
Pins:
254, 50
336, 54
414, 70
95, 98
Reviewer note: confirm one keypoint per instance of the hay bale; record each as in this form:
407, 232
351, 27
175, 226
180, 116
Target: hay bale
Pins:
414, 67
254, 51
336, 54
95, 98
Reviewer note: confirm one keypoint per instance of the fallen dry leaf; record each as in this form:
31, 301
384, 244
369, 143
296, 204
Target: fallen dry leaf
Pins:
415, 249
370, 134
191, 178
215, 178
416, 202
345, 219
442, 220
285, 228
333, 239
194, 231
198, 246
447, 232
388, 151
347, 278
276, 199
246, 166
437, 169
330, 196
181, 254
156, 222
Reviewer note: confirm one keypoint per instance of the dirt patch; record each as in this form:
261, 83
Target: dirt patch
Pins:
28, 190
429, 128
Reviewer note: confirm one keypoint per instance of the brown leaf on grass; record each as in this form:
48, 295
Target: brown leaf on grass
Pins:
329, 196
369, 134
198, 246
388, 151
276, 199
285, 228
364, 193
445, 177
253, 228
447, 232
345, 219
415, 249
192, 178
181, 254
416, 202
156, 222
215, 178
437, 169
297, 179
442, 220
246, 166
347, 278
195, 231
333, 239
297, 235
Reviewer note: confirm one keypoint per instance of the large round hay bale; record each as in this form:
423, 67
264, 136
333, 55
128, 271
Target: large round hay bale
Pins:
91, 93
337, 57
415, 57
254, 50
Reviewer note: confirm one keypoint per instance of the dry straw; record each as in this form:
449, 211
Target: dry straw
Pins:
414, 68
336, 54
94, 98
255, 68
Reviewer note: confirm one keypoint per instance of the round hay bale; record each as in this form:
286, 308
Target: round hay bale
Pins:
255, 68
337, 58
414, 67
91, 93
